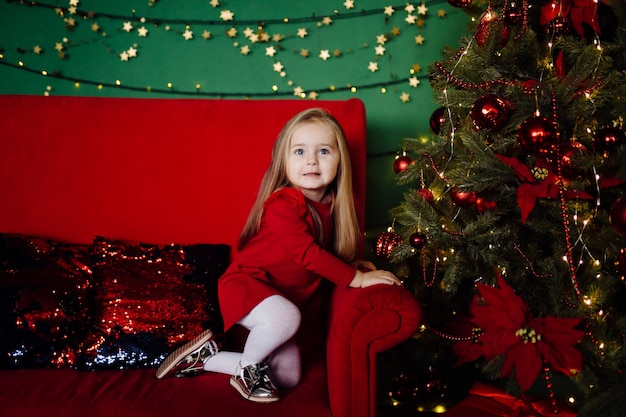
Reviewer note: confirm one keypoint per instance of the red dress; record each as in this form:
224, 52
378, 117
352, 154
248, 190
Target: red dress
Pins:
283, 258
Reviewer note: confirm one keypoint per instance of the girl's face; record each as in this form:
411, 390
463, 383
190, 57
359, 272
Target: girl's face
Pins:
313, 159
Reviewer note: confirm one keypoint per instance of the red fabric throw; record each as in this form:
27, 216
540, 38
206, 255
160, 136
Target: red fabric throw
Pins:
507, 328
488, 401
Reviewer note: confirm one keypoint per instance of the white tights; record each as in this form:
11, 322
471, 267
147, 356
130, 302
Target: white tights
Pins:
273, 324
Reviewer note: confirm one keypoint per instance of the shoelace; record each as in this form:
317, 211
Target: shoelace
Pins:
258, 375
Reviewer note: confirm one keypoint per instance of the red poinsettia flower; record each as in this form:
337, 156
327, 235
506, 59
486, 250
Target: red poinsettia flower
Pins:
527, 342
531, 188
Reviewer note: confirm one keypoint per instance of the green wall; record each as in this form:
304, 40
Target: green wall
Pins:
91, 38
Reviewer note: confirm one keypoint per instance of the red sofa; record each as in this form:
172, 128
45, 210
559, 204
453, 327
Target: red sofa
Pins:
185, 171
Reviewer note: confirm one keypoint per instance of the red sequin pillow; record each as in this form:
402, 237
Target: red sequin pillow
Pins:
45, 297
149, 300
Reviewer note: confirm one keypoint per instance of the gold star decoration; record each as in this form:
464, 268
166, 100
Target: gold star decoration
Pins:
226, 15
74, 3
304, 53
441, 13
373, 66
127, 26
188, 34
313, 95
327, 21
142, 31
414, 81
298, 91
405, 97
206, 35
245, 50
37, 49
231, 33
416, 68
302, 32
381, 39
214, 3
389, 10
420, 23
95, 27
409, 8
349, 4
380, 50
270, 51
336, 53
395, 31
410, 19
324, 54
422, 9
419, 40
278, 67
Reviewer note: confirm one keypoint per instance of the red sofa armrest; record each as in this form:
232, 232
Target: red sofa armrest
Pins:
364, 322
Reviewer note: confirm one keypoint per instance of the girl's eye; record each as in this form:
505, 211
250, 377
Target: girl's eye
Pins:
299, 151
324, 151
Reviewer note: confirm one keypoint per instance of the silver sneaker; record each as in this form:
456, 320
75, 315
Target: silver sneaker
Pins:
188, 360
254, 383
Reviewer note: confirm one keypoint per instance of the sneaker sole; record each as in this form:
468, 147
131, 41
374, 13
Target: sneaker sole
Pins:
235, 384
179, 354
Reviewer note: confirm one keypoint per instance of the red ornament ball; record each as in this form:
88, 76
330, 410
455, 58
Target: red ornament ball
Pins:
559, 26
460, 3
617, 216
385, 243
537, 134
417, 240
437, 119
426, 194
608, 138
401, 163
490, 112
462, 198
483, 205
568, 152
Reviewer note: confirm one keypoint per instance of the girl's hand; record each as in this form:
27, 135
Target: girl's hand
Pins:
369, 278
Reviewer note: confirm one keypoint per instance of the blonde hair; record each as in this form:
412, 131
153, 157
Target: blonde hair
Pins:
347, 239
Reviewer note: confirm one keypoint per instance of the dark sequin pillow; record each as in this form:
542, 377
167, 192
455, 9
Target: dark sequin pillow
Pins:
149, 300
45, 296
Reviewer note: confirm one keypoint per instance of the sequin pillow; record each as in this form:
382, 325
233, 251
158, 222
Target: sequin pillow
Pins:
45, 296
149, 300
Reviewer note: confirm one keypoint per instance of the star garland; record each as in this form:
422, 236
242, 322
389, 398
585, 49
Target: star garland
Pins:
249, 36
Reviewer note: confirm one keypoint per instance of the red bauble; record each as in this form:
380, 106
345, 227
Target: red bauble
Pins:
426, 194
558, 26
608, 138
437, 119
401, 163
492, 25
417, 240
385, 243
537, 134
462, 198
617, 216
483, 205
460, 3
568, 152
490, 112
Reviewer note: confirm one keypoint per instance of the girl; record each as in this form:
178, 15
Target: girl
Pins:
302, 228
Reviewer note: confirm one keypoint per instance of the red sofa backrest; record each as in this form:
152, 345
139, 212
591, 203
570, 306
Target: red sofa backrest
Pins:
151, 170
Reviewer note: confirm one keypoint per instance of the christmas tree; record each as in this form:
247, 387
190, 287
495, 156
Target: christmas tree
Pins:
512, 231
